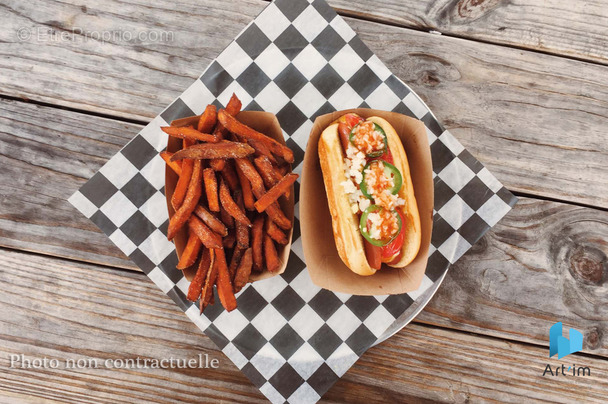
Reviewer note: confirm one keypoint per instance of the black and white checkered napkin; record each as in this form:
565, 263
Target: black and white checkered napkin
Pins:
297, 59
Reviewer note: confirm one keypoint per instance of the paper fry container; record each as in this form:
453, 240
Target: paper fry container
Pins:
325, 267
263, 122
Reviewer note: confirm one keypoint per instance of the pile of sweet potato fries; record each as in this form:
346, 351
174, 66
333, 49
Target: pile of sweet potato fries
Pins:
230, 180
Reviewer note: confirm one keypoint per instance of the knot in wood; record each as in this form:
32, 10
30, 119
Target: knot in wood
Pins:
593, 339
430, 79
432, 70
480, 247
475, 9
589, 265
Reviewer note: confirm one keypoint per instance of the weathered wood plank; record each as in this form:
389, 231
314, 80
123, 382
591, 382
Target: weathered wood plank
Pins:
65, 310
574, 29
44, 166
124, 76
537, 121
46, 154
467, 366
61, 309
545, 262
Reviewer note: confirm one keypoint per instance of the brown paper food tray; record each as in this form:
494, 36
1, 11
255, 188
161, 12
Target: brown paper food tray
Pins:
325, 267
263, 122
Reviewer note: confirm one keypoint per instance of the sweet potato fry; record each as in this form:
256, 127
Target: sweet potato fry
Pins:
257, 240
243, 271
187, 132
234, 261
262, 150
230, 206
269, 173
229, 240
190, 253
226, 218
229, 175
182, 184
191, 199
211, 189
249, 171
266, 170
217, 164
242, 230
257, 187
210, 220
275, 233
207, 236
224, 286
246, 189
275, 192
196, 286
188, 121
176, 166
233, 108
270, 255
187, 143
223, 150
283, 169
244, 131
208, 119
207, 292
219, 132
275, 214
234, 105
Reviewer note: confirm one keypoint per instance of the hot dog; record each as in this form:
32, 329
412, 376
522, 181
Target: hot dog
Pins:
371, 199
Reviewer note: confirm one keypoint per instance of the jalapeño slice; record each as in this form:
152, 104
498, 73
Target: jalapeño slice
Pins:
390, 171
365, 232
375, 153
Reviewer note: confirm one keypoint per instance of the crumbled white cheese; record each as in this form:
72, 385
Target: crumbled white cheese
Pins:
348, 186
364, 203
354, 163
353, 169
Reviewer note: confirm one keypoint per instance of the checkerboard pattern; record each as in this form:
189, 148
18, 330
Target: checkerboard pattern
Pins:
297, 59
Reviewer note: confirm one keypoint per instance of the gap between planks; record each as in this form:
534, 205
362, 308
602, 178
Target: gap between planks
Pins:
143, 123
482, 91
75, 110
347, 13
421, 361
378, 20
138, 272
513, 251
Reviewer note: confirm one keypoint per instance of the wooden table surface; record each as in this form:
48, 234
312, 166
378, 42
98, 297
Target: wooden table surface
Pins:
522, 84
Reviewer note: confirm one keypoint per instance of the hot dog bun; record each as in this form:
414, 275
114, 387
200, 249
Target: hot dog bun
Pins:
345, 223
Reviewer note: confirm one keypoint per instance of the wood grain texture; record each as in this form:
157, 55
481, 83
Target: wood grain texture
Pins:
132, 74
46, 155
80, 311
545, 262
463, 368
66, 310
574, 29
537, 121
562, 248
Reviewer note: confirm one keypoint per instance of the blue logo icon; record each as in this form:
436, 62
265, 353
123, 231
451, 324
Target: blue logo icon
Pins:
562, 346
